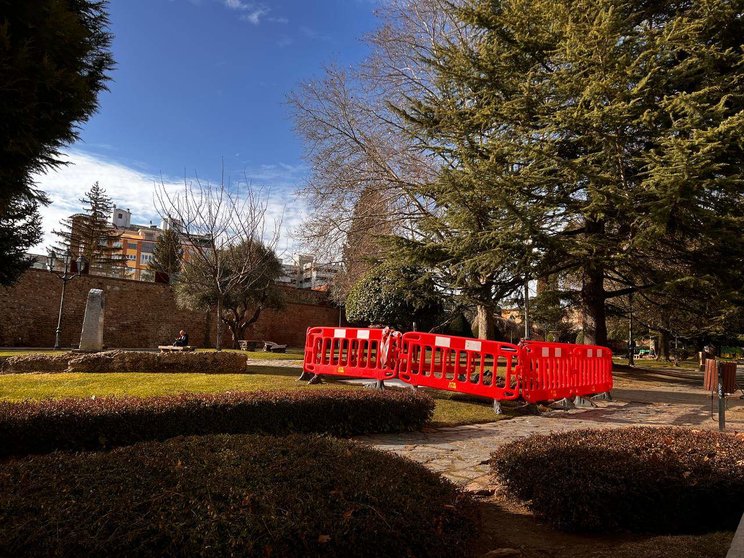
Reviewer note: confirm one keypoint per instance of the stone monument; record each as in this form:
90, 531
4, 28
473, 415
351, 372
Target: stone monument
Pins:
91, 338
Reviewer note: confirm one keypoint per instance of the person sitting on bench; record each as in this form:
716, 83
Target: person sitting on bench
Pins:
183, 340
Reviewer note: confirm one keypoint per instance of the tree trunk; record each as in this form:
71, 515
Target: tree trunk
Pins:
593, 307
664, 346
485, 322
219, 324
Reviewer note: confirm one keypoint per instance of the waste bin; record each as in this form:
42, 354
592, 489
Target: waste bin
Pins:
711, 376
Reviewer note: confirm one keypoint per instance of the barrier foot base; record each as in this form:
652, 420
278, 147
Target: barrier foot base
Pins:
304, 377
564, 403
378, 384
316, 379
583, 402
497, 407
604, 396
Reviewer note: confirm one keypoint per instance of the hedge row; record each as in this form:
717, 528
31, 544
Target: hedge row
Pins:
661, 480
73, 424
239, 495
129, 361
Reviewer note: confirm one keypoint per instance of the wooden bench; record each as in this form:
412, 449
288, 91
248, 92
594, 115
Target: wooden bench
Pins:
174, 349
250, 344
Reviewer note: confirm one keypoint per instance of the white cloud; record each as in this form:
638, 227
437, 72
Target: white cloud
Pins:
254, 16
134, 190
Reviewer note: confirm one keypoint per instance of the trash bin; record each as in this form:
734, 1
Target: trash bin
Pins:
711, 376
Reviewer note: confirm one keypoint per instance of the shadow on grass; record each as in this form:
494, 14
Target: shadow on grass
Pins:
506, 524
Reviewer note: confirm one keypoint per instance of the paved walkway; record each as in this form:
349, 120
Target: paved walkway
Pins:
462, 453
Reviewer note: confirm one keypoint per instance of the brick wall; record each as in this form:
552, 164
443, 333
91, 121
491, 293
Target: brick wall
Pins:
138, 314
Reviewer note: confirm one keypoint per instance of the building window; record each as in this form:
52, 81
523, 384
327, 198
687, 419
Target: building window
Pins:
132, 245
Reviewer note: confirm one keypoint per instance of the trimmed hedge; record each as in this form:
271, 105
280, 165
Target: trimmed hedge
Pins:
129, 361
240, 495
643, 479
74, 424
35, 363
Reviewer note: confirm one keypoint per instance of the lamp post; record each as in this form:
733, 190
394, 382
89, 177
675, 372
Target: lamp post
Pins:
631, 341
66, 275
528, 242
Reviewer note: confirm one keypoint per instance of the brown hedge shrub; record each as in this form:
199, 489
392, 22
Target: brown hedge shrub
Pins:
662, 480
142, 361
74, 424
130, 361
239, 495
36, 363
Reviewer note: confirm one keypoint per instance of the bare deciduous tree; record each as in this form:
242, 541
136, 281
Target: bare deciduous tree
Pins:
217, 222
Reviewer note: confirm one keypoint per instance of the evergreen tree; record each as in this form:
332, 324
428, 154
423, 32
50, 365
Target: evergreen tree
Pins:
364, 246
20, 229
91, 234
606, 132
397, 296
168, 253
54, 61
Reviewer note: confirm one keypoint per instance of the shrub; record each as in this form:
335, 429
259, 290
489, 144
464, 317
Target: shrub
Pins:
73, 424
142, 361
130, 361
36, 363
244, 495
663, 480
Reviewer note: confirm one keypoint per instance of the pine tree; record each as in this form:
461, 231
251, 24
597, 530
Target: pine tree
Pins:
596, 137
168, 253
20, 229
91, 235
54, 61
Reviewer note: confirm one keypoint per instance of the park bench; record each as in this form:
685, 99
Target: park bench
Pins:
250, 344
271, 347
174, 349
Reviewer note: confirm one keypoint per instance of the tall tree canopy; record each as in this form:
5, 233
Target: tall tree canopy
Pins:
54, 61
168, 253
606, 132
598, 138
91, 234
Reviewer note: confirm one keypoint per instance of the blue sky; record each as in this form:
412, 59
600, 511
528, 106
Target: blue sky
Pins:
199, 81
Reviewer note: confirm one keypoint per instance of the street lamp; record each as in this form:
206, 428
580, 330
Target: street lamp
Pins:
66, 275
528, 243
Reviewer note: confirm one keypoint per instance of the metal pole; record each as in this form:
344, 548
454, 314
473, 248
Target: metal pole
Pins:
526, 307
631, 349
59, 318
721, 399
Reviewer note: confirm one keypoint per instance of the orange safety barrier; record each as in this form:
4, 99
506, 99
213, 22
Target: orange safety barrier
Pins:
474, 366
351, 351
557, 370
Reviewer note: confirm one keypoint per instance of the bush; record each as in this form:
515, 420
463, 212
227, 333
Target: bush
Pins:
36, 363
244, 495
74, 424
130, 361
662, 480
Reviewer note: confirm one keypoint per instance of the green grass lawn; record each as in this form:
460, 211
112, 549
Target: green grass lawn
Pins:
451, 409
653, 364
291, 354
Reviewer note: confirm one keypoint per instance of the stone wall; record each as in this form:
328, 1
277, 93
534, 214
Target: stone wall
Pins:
139, 314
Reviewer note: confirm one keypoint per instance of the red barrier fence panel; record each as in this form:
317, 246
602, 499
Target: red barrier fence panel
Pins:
557, 370
473, 366
351, 351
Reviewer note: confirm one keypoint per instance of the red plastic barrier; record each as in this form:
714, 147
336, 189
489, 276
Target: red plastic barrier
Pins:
556, 370
473, 366
351, 351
